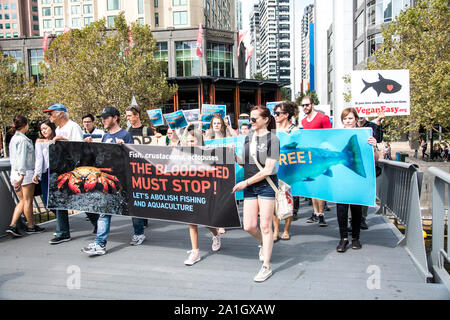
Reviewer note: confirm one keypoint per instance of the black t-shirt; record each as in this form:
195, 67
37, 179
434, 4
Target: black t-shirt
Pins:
138, 135
267, 146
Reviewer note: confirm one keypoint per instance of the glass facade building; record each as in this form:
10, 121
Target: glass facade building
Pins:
187, 62
219, 60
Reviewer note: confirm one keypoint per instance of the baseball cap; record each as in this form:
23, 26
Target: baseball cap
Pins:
56, 107
109, 112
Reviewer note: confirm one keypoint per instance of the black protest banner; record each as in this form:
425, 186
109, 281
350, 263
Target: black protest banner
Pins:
185, 184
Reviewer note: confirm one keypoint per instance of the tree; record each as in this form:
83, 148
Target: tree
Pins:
259, 76
309, 93
16, 92
418, 40
91, 68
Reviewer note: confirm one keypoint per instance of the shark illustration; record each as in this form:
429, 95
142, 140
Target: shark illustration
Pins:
320, 162
382, 86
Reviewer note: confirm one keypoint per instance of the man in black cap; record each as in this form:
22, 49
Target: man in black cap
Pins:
110, 119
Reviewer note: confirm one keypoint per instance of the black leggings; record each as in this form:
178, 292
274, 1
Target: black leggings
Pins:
342, 216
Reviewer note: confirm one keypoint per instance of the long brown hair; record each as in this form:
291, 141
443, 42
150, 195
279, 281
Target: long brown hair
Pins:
49, 124
265, 113
19, 122
223, 128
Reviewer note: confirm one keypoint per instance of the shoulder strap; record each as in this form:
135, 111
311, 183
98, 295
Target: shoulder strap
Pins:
252, 149
145, 131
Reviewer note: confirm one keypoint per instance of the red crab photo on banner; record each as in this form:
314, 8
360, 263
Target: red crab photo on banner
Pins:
87, 178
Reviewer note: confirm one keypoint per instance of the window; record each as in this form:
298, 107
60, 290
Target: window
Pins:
13, 15
36, 27
219, 59
140, 6
46, 1
6, 7
15, 25
46, 12
359, 25
58, 11
34, 8
374, 43
13, 6
57, 1
110, 21
8, 35
87, 8
35, 57
113, 5
35, 18
76, 9
47, 24
162, 54
6, 16
141, 21
15, 34
180, 2
0, 17
359, 54
179, 18
59, 23
7, 26
88, 20
187, 62
155, 3
156, 19
2, 35
76, 22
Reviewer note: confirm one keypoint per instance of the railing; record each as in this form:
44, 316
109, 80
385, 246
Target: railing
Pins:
438, 253
398, 189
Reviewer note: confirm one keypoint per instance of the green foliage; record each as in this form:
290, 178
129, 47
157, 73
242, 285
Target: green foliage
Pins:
286, 94
309, 93
418, 40
259, 76
88, 69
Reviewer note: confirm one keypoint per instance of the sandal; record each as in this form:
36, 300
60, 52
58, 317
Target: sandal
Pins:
222, 230
276, 238
285, 236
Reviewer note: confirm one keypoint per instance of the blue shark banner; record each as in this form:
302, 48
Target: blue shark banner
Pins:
238, 144
176, 120
156, 117
335, 165
209, 110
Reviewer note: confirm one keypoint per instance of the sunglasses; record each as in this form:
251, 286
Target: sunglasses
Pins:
133, 108
277, 113
253, 120
305, 105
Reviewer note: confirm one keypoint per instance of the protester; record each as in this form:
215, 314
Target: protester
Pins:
349, 118
245, 129
195, 138
22, 168
219, 129
159, 139
141, 134
424, 146
284, 112
173, 139
377, 128
110, 119
436, 152
387, 151
445, 148
315, 120
259, 197
66, 130
47, 132
88, 121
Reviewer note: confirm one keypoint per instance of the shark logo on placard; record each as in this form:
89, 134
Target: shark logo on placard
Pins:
321, 162
383, 86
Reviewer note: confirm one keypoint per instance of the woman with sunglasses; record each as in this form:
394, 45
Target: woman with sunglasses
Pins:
283, 113
259, 197
349, 118
219, 129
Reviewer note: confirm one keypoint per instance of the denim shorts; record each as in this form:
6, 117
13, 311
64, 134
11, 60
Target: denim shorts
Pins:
262, 191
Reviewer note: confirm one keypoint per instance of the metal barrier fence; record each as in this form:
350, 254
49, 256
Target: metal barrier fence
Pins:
398, 189
5, 169
438, 253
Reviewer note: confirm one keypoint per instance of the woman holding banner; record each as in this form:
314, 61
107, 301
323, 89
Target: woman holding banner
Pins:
284, 112
47, 131
219, 129
349, 118
195, 138
262, 146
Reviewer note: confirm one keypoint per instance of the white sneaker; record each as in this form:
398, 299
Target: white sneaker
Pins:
94, 249
137, 239
216, 243
193, 257
261, 253
263, 274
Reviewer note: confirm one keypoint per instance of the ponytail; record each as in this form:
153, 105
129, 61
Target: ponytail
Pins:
19, 122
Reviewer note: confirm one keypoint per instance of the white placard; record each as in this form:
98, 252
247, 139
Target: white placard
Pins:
375, 91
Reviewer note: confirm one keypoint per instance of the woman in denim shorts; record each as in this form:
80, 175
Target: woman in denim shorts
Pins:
259, 197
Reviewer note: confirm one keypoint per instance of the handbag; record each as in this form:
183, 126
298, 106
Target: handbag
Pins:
284, 201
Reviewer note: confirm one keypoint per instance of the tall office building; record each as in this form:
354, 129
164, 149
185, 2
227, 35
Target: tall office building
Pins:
275, 39
307, 46
254, 62
56, 15
18, 18
238, 15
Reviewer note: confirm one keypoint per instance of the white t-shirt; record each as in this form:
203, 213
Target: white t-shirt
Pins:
71, 131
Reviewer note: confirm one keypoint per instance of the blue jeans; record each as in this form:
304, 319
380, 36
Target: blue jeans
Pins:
104, 224
62, 223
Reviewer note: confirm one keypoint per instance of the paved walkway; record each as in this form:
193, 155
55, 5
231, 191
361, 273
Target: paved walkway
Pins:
305, 267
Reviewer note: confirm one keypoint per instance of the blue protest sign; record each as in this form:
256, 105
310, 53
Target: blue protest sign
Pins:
209, 110
176, 120
272, 105
156, 117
